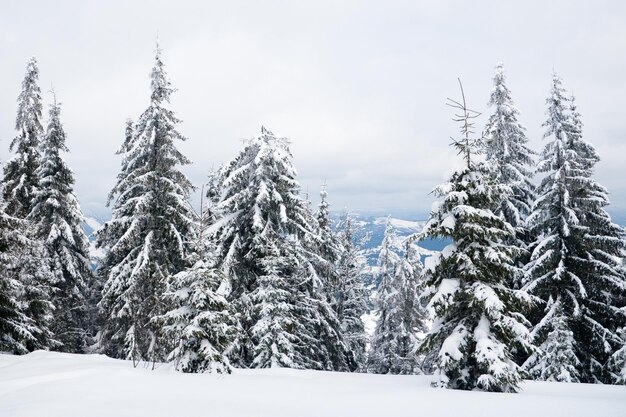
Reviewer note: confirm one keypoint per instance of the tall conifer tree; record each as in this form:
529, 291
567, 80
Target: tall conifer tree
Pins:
351, 295
400, 313
264, 244
148, 239
477, 317
20, 180
573, 267
58, 221
507, 151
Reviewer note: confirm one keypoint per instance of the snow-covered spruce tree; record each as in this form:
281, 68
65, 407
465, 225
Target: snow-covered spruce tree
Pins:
401, 314
477, 316
210, 212
58, 220
19, 184
410, 278
323, 251
574, 267
262, 246
617, 363
20, 179
328, 247
381, 353
17, 331
351, 295
200, 324
149, 236
507, 151
603, 273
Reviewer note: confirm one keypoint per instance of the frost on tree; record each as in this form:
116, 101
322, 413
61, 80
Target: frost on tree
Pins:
574, 266
394, 343
58, 220
477, 318
351, 296
20, 179
148, 238
263, 244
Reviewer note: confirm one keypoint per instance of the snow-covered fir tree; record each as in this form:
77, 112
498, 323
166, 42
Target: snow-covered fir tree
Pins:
20, 180
381, 353
36, 289
327, 246
200, 325
58, 220
19, 184
400, 313
507, 151
351, 296
410, 279
574, 266
148, 238
210, 212
262, 245
477, 316
323, 251
18, 332
617, 363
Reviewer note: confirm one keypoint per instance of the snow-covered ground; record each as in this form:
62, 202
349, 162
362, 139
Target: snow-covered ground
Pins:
44, 384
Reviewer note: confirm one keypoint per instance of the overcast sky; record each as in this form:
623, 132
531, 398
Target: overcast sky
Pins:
360, 87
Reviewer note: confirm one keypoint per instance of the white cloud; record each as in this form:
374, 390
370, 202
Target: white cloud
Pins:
359, 86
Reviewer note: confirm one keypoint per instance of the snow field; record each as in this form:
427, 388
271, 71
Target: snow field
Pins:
46, 384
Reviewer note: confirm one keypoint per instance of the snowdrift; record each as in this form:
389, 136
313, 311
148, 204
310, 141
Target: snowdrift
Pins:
46, 384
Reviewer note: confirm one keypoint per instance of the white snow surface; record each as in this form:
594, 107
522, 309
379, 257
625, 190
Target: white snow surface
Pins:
46, 384
400, 224
93, 223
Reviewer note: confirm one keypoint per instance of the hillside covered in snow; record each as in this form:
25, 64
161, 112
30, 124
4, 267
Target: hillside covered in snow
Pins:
66, 385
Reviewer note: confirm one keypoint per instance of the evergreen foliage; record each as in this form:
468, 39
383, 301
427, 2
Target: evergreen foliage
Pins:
507, 151
30, 279
20, 179
478, 318
400, 314
58, 220
265, 245
200, 324
149, 236
574, 266
351, 296
18, 333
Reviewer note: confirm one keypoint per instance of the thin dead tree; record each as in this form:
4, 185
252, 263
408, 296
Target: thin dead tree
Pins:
467, 144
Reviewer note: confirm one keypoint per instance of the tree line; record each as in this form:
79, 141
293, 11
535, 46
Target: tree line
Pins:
532, 285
